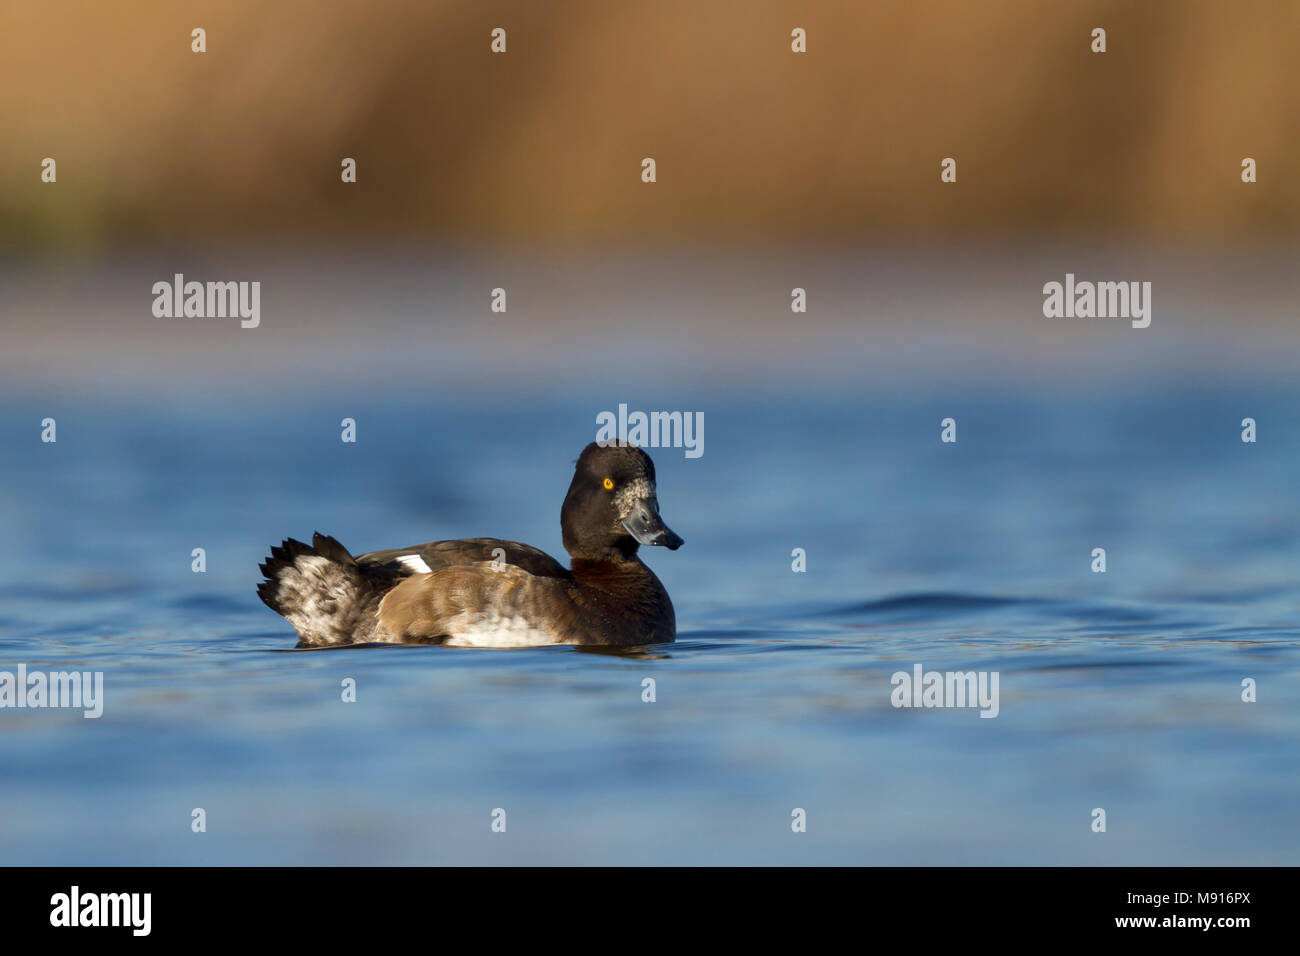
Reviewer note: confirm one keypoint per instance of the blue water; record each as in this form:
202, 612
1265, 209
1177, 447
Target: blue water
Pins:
1119, 690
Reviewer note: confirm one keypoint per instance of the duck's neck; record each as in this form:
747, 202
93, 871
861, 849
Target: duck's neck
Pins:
612, 572
623, 584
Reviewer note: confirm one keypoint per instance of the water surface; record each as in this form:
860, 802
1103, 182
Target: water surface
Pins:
1119, 690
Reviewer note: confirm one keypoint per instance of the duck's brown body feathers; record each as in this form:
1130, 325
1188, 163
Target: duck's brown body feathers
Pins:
493, 604
487, 592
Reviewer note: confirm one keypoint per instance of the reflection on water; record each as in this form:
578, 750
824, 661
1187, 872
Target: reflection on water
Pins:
1119, 690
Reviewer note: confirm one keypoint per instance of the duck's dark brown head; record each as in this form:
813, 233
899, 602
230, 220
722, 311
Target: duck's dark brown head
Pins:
612, 505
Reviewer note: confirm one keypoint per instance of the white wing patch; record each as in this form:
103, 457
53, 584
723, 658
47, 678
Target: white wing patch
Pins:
415, 563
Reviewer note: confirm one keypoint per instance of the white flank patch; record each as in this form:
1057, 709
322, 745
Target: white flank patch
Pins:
496, 631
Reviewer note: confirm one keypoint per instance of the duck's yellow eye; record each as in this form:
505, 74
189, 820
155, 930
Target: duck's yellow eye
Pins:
609, 483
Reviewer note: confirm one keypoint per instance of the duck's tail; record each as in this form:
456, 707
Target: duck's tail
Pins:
321, 590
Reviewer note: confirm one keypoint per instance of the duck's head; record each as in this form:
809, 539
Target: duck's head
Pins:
612, 505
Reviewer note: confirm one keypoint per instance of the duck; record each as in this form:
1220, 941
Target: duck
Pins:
488, 592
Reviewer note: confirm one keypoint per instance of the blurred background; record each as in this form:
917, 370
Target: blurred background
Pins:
775, 170
522, 171
543, 144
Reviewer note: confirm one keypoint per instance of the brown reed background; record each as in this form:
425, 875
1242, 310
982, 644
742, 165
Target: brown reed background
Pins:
156, 144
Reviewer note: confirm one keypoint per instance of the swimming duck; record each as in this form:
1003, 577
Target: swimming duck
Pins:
485, 592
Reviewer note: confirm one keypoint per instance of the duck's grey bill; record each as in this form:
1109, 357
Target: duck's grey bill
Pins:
648, 528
